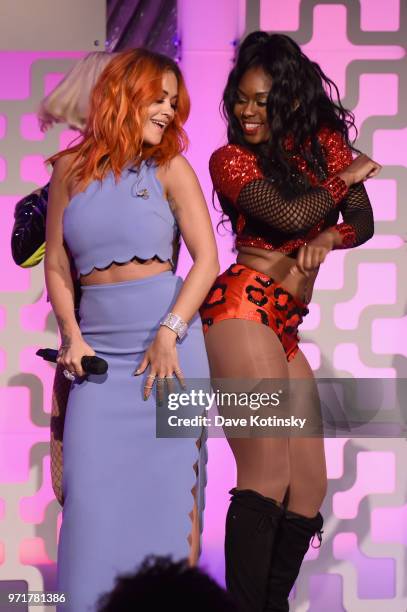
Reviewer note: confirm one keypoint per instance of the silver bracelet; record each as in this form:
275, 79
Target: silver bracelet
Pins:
174, 322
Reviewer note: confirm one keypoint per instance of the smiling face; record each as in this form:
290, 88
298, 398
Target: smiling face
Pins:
161, 112
251, 105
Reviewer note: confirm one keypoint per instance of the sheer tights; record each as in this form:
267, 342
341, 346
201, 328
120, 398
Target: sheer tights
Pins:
279, 467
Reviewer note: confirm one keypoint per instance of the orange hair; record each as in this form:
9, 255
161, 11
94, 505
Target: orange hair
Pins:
113, 136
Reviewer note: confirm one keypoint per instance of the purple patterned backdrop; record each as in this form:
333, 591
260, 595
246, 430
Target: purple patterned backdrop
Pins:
357, 324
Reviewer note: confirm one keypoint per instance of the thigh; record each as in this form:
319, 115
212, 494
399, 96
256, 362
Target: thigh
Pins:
245, 355
238, 348
307, 454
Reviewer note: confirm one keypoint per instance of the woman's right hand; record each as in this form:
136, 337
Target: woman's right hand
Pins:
359, 170
71, 352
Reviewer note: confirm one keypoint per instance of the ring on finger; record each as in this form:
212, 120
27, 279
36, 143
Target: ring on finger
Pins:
68, 375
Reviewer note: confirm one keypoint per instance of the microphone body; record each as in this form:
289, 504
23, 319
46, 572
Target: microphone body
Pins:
90, 363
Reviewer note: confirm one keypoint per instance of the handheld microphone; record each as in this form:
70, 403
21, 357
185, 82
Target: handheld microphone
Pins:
90, 363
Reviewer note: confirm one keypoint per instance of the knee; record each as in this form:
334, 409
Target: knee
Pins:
316, 487
275, 486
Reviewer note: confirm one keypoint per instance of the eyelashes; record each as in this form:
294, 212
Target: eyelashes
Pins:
173, 106
261, 104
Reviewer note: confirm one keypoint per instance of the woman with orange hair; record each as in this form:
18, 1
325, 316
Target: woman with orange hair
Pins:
116, 202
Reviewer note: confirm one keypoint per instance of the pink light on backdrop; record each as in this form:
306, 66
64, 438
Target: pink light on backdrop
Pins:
383, 195
313, 318
389, 336
313, 354
347, 358
274, 19
34, 170
32, 552
67, 138
331, 274
389, 525
17, 434
17, 65
378, 16
334, 448
3, 169
347, 547
347, 315
52, 79
375, 474
390, 146
369, 103
331, 48
33, 317
375, 15
32, 509
45, 372
29, 127
3, 126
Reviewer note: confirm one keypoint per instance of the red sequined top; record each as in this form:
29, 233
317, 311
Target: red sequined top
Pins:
266, 220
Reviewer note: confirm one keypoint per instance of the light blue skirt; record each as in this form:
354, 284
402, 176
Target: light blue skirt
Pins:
127, 493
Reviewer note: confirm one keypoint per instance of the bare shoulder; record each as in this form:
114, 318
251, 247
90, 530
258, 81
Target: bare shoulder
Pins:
177, 167
61, 185
61, 167
59, 179
176, 175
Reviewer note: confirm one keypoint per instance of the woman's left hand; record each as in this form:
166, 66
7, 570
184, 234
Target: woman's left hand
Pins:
311, 255
162, 357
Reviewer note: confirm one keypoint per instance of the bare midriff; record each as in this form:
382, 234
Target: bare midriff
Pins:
132, 270
280, 267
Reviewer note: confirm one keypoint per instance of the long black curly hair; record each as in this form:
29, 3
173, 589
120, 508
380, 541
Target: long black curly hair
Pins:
301, 101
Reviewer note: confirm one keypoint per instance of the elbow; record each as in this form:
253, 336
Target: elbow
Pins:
368, 233
216, 271
214, 267
209, 265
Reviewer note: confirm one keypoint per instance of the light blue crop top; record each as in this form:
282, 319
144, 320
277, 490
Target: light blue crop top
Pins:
114, 222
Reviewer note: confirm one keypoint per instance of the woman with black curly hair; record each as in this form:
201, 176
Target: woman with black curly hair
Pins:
282, 180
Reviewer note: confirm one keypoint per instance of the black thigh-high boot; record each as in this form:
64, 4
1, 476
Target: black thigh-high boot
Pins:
292, 542
251, 525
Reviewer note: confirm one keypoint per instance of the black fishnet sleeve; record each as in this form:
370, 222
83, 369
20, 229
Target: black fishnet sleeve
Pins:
357, 214
261, 200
